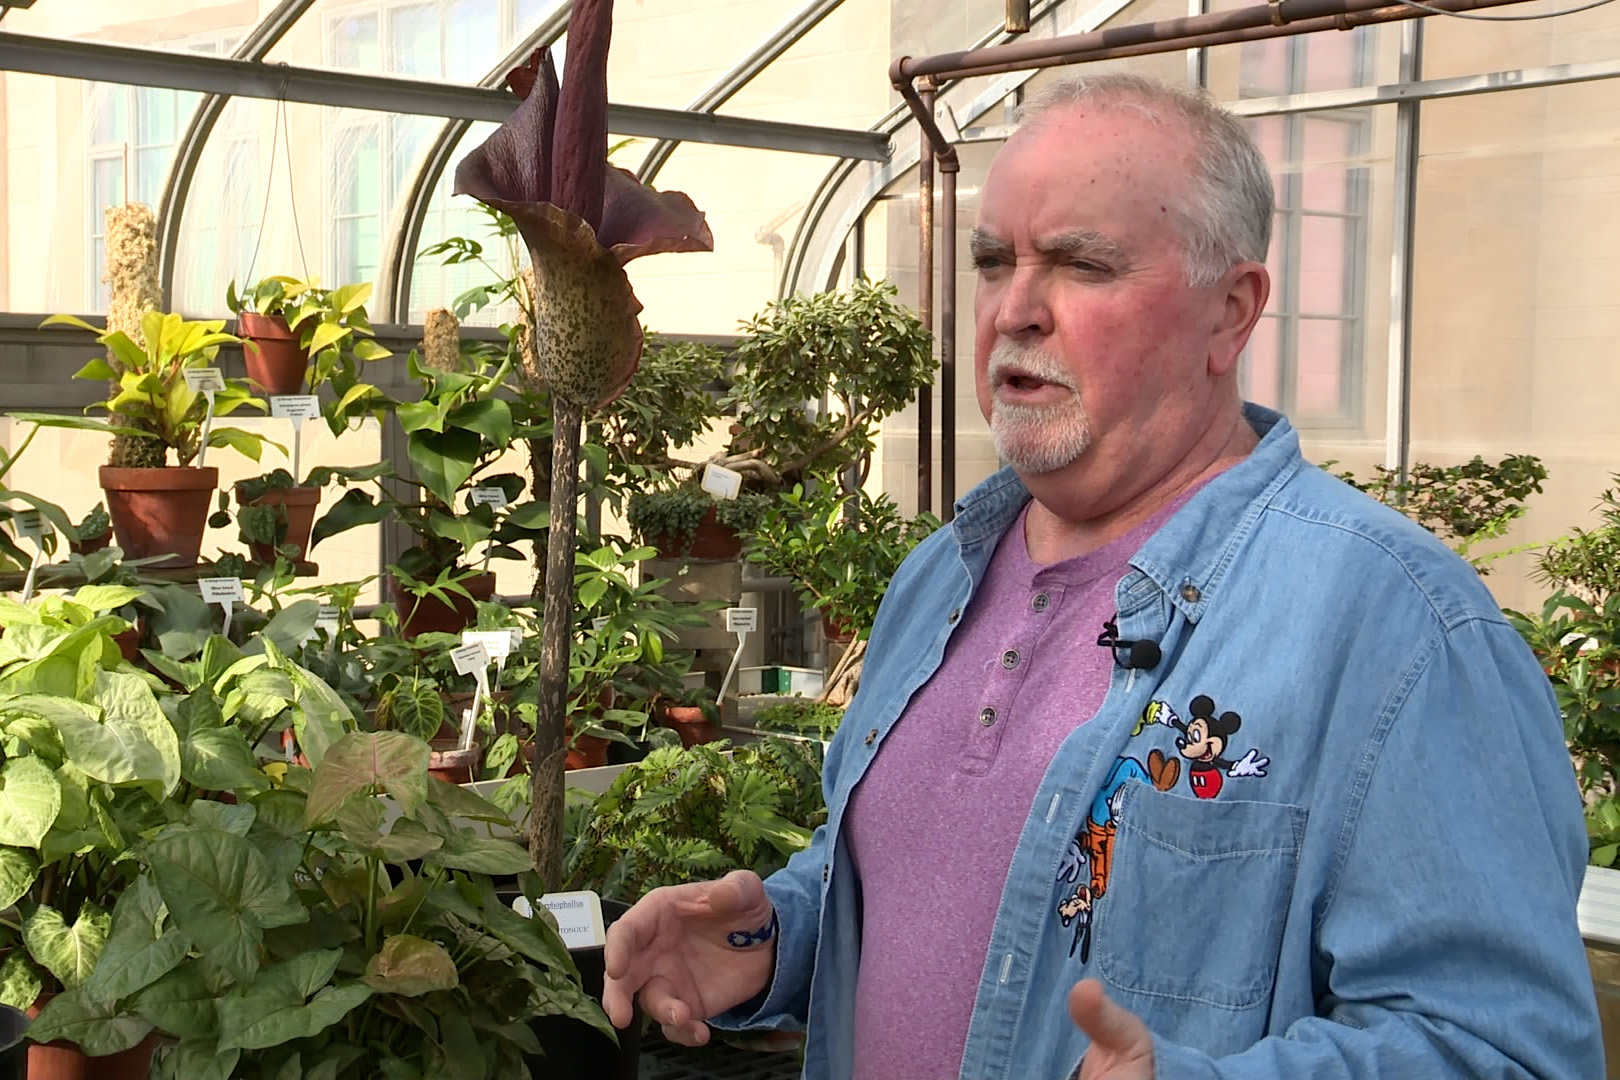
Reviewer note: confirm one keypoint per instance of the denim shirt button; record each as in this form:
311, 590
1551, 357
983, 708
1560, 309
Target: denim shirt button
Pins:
826, 872
1190, 593
871, 737
956, 613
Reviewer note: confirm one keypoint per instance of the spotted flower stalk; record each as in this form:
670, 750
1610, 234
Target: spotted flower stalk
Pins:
582, 220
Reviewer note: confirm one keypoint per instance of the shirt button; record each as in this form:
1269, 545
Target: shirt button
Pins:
987, 717
1009, 659
956, 613
1040, 602
871, 736
1190, 593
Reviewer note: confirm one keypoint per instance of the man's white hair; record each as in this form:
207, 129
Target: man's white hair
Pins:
1227, 219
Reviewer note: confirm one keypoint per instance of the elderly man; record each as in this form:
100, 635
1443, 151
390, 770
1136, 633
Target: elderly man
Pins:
1306, 812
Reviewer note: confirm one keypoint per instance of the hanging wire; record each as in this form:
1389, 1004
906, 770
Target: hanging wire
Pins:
1504, 18
279, 130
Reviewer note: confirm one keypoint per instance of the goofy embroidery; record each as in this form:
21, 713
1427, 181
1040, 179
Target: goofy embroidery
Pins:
1203, 742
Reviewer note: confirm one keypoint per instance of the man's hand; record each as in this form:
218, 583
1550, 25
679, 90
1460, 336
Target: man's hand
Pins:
672, 950
1121, 1048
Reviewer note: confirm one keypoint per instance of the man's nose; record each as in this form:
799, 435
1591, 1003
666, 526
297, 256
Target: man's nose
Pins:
1024, 309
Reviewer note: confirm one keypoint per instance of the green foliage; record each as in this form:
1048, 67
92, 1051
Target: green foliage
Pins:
299, 932
670, 517
859, 348
1464, 505
840, 549
150, 397
695, 814
1576, 636
95, 524
333, 327
800, 716
668, 404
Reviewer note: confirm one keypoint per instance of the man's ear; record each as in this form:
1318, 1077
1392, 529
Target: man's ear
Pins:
1247, 285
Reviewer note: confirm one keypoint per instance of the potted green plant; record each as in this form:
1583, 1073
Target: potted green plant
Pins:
285, 323
804, 717
840, 549
156, 508
275, 515
455, 434
685, 521
94, 531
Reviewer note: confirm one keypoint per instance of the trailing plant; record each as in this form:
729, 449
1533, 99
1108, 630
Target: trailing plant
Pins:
840, 549
800, 716
332, 327
1464, 505
695, 814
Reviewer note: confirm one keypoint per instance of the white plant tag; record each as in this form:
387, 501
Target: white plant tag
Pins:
224, 591
32, 524
221, 590
204, 380
721, 482
599, 622
742, 620
470, 659
327, 615
578, 915
491, 496
295, 406
498, 644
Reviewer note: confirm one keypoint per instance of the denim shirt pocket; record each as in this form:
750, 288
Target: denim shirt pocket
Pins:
1193, 918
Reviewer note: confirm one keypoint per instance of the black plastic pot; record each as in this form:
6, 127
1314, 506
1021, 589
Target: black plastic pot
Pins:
573, 1049
13, 1044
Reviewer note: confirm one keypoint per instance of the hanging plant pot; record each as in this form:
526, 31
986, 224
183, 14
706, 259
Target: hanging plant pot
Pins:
65, 1061
299, 504
276, 362
160, 511
432, 614
691, 723
710, 540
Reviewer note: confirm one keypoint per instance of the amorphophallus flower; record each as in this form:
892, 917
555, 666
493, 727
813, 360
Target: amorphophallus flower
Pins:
582, 220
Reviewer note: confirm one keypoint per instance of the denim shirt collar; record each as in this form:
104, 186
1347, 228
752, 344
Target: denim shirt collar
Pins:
1187, 558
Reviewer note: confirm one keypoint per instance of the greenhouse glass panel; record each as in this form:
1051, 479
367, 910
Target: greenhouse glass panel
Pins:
1514, 320
1453, 46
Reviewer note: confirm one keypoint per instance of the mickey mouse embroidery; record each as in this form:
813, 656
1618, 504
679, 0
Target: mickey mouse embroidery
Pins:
1204, 740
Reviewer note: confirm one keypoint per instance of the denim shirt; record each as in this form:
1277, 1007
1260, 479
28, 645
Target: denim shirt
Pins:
1333, 833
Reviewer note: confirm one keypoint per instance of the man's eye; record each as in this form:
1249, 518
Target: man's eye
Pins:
1086, 266
986, 262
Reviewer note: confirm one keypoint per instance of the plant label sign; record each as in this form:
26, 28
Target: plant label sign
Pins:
488, 496
326, 618
295, 406
599, 622
498, 644
221, 590
470, 659
204, 380
721, 482
578, 915
742, 620
32, 524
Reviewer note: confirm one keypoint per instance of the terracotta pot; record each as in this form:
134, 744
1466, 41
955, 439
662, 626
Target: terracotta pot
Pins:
584, 752
431, 615
95, 543
450, 763
276, 362
129, 642
300, 504
690, 723
65, 1061
711, 540
160, 511
836, 631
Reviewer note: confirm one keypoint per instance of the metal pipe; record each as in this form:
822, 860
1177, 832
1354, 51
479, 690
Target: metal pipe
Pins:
949, 166
1166, 35
1017, 20
925, 294
1398, 399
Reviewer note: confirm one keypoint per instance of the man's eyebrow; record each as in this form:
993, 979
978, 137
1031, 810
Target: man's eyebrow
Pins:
1080, 242
984, 242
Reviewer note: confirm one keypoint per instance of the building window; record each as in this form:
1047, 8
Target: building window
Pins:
1305, 355
375, 156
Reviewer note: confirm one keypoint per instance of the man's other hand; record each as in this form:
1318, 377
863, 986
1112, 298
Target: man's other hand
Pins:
1121, 1048
674, 950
